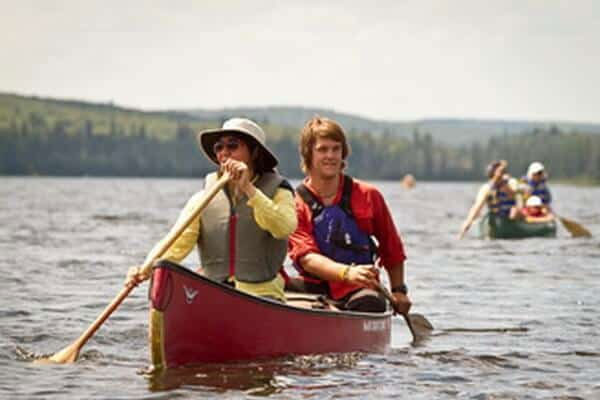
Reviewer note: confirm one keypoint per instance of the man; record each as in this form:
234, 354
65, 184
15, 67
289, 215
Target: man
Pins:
337, 217
499, 193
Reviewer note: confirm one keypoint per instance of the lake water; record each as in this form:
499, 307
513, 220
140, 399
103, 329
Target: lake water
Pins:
66, 244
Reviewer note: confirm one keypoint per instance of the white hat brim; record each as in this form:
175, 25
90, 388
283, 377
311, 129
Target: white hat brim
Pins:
207, 138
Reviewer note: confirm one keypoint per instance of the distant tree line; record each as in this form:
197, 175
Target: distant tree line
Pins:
566, 155
33, 146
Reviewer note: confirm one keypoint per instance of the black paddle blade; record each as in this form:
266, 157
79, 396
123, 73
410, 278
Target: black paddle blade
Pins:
419, 320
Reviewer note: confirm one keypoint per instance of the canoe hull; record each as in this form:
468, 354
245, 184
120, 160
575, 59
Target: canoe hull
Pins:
495, 227
194, 320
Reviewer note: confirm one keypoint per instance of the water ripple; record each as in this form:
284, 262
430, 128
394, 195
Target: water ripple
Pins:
514, 319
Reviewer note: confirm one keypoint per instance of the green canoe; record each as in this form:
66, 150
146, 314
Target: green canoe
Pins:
495, 227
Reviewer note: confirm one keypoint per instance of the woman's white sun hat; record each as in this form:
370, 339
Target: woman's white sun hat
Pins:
207, 138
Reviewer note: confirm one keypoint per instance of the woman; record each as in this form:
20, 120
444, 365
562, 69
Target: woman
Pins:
242, 233
499, 194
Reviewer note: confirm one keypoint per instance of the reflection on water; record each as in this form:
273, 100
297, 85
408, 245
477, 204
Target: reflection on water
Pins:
253, 379
513, 318
260, 378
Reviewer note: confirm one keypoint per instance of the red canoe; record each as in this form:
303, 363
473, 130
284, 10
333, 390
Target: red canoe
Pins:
194, 320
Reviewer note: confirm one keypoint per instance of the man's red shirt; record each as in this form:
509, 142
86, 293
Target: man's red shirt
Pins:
372, 217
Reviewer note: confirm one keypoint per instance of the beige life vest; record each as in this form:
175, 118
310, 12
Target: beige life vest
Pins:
231, 242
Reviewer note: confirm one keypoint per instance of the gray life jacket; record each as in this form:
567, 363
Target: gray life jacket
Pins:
232, 244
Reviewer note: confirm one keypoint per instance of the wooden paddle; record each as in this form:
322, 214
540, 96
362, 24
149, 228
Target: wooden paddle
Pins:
420, 327
71, 353
575, 229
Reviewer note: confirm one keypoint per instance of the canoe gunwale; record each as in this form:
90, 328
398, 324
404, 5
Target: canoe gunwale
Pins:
495, 227
265, 301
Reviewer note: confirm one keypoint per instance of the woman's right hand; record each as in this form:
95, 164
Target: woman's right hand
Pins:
238, 171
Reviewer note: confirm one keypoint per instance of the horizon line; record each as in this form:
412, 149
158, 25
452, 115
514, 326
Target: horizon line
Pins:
124, 107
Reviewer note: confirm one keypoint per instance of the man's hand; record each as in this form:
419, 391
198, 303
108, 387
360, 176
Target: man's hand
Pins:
401, 302
364, 275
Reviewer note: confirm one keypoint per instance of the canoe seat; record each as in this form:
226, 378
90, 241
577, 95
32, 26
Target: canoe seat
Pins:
309, 300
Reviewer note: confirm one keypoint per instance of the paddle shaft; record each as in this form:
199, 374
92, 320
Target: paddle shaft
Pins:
89, 332
70, 353
383, 290
174, 235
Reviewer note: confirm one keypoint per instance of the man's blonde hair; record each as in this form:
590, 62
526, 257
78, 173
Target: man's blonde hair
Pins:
325, 128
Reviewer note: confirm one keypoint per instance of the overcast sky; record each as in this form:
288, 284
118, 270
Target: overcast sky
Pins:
395, 60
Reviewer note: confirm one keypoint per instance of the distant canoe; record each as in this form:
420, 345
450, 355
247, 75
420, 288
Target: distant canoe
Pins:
195, 320
495, 227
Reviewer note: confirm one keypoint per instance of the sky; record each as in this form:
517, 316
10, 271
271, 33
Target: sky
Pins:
388, 60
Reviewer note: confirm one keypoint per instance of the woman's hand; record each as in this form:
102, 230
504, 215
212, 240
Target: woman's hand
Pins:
240, 175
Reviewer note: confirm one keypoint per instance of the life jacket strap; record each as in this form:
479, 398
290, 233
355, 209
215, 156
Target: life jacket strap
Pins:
316, 207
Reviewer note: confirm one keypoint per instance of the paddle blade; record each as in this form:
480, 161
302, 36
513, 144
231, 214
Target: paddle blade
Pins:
419, 326
420, 322
575, 229
67, 355
70, 353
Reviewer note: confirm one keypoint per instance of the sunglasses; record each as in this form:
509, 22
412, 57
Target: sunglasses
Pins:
231, 145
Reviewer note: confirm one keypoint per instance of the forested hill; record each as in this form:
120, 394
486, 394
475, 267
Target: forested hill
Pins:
448, 131
163, 123
54, 137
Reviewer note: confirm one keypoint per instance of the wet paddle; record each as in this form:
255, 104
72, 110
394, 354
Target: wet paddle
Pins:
71, 353
575, 229
420, 328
